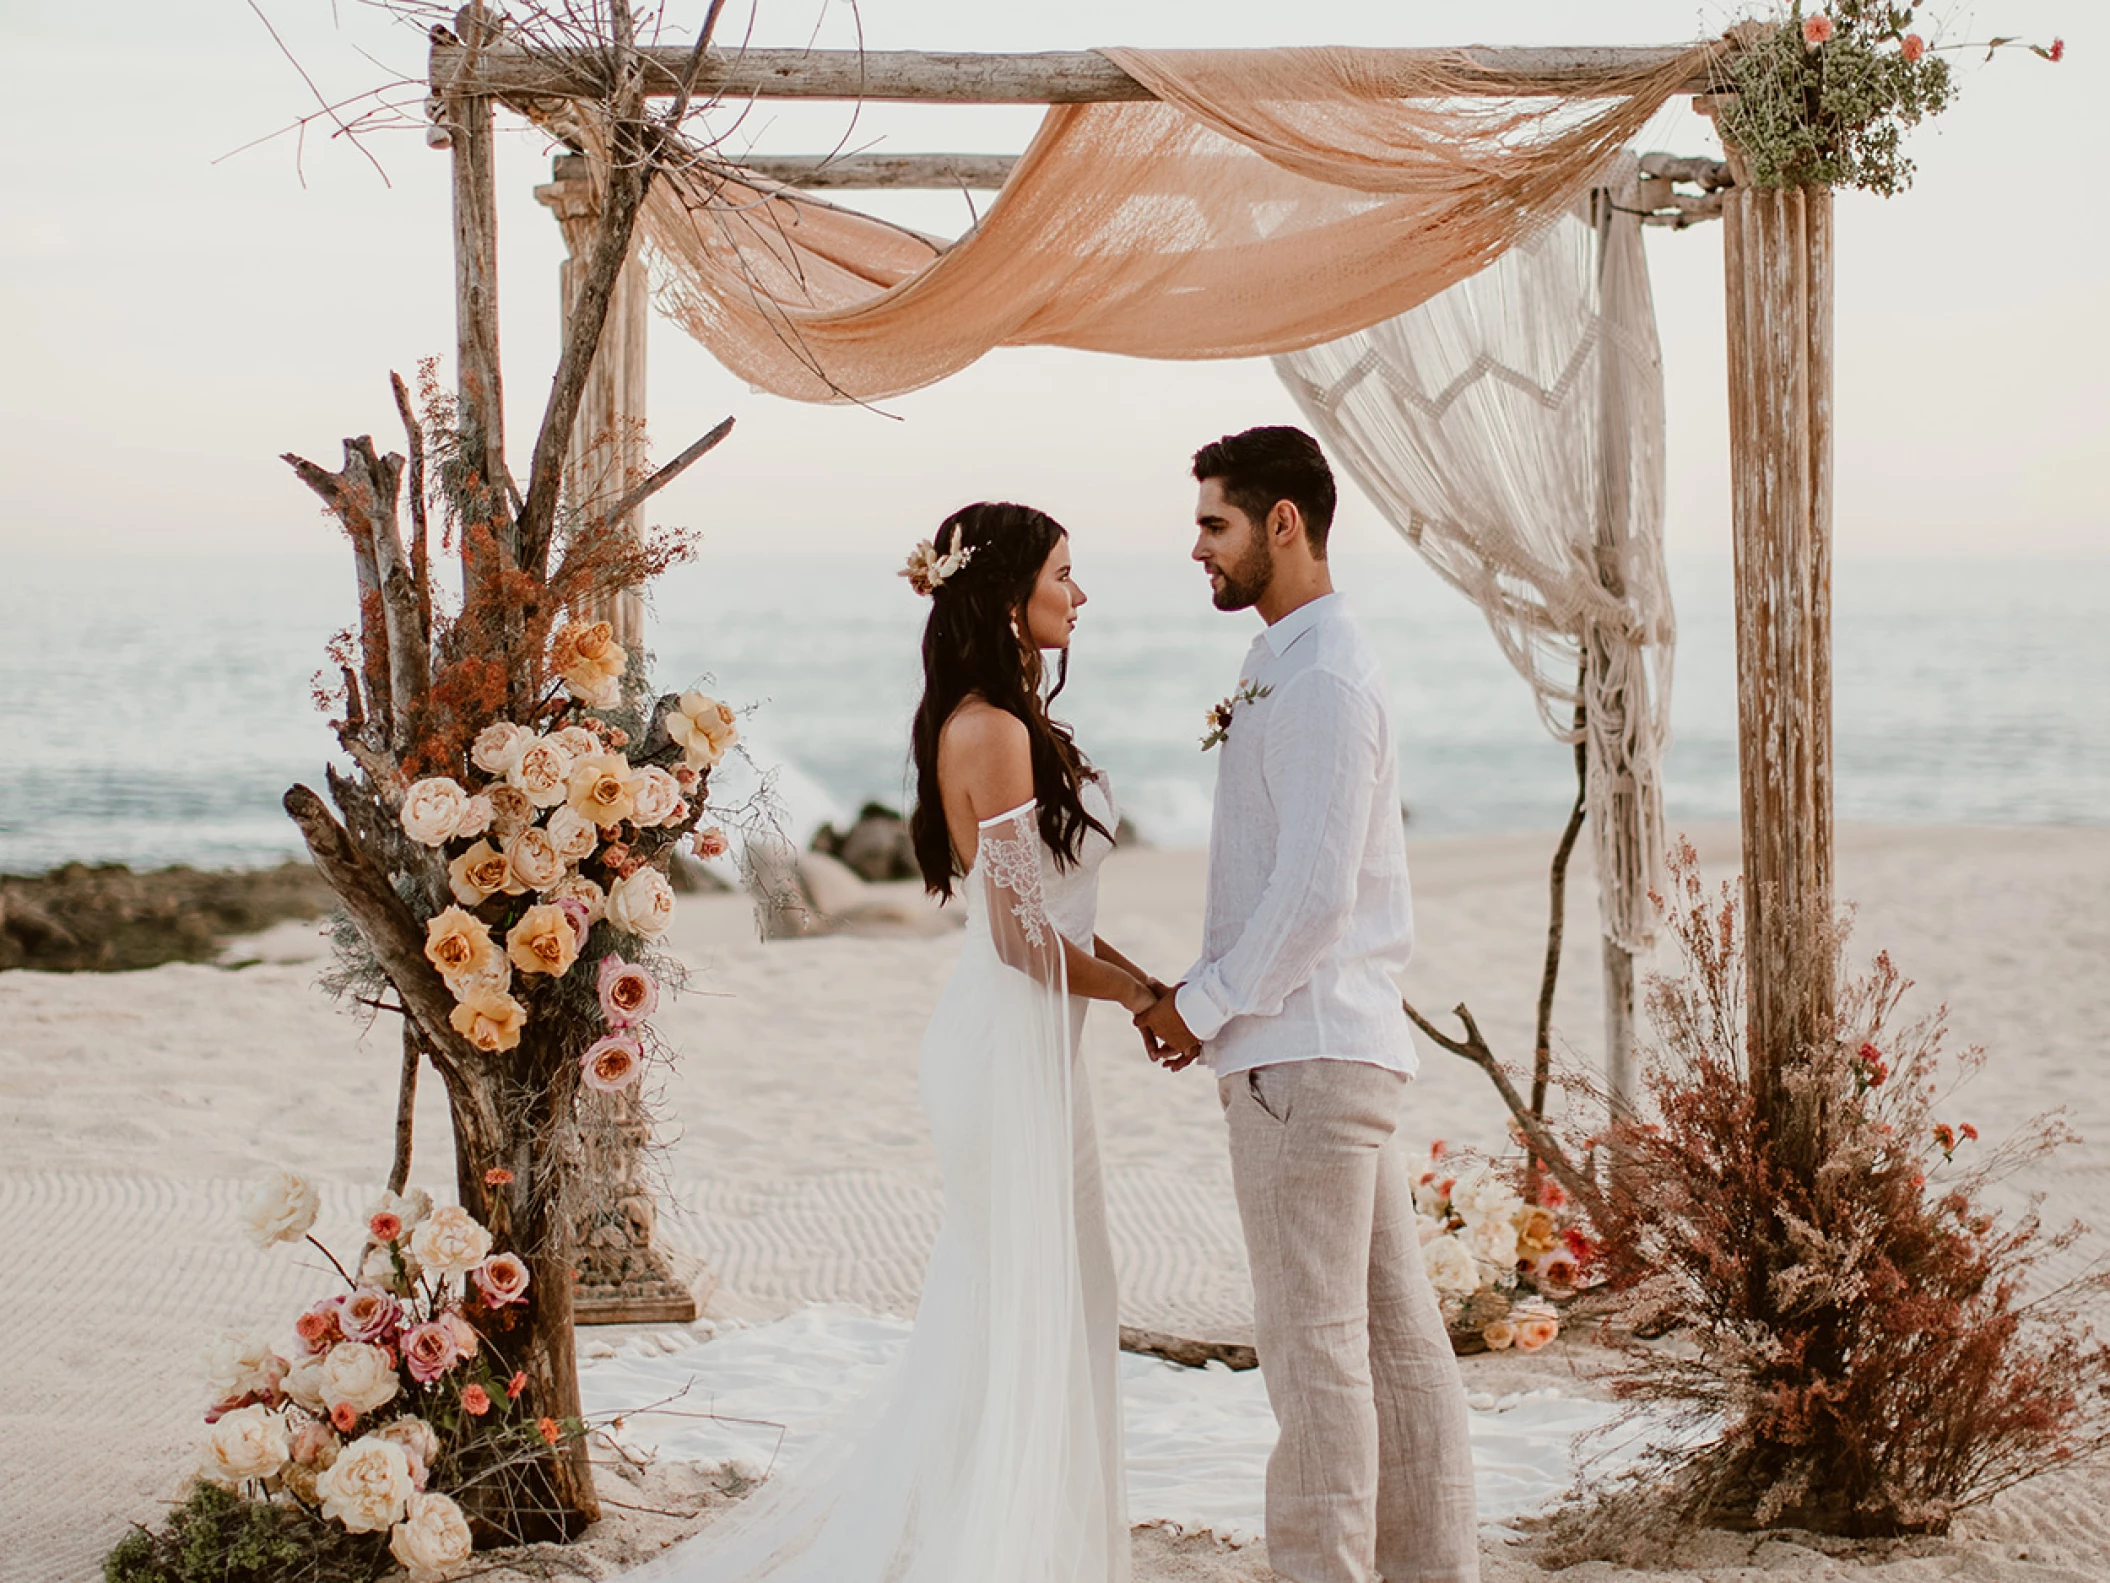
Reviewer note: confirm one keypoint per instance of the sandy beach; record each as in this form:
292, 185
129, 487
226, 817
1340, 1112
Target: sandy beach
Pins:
138, 1105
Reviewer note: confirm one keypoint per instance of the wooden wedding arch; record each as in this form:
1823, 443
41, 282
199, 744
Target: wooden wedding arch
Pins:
1778, 278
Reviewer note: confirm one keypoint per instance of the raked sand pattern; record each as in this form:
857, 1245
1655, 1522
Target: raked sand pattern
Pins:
136, 1107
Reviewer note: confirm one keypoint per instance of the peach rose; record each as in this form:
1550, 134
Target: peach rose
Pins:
315, 1444
502, 1279
540, 770
591, 662
578, 741
511, 812
429, 1351
476, 1401
450, 1242
460, 946
711, 843
643, 903
481, 873
1536, 1232
656, 795
248, 1443
487, 1016
1535, 1327
433, 810
433, 1539
704, 727
367, 1487
494, 747
572, 834
602, 789
466, 1341
1500, 1335
543, 941
533, 858
370, 1314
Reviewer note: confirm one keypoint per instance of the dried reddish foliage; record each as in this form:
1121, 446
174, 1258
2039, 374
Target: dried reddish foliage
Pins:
1866, 1350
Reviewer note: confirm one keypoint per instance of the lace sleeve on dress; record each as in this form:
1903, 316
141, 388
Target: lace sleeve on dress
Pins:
1007, 862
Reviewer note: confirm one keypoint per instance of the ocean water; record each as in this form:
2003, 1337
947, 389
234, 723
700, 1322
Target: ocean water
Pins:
154, 710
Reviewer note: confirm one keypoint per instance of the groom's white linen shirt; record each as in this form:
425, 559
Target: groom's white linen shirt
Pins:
1309, 912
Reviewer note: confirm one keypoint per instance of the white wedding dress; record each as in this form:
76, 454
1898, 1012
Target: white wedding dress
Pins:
992, 1452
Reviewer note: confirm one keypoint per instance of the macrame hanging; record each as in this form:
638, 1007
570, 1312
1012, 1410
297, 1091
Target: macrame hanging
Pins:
1511, 429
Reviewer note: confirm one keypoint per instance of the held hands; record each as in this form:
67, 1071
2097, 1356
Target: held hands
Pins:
1166, 1038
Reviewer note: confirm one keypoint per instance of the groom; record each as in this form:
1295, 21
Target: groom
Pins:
1293, 1003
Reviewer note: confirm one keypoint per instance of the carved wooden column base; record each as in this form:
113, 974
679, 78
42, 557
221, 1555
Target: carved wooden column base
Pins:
623, 1276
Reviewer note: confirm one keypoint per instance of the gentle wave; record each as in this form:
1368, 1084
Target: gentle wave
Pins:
154, 711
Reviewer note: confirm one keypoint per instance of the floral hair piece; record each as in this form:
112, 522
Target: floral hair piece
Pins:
926, 568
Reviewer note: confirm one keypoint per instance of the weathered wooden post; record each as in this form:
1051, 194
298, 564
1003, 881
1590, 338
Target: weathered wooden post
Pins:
608, 440
1777, 256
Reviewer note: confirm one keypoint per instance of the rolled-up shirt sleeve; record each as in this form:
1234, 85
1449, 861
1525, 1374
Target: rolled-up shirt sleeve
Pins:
1319, 768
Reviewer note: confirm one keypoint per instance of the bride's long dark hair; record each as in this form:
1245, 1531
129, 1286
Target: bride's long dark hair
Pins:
972, 646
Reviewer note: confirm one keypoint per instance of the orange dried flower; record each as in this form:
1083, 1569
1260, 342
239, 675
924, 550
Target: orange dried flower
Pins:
549, 1431
497, 1176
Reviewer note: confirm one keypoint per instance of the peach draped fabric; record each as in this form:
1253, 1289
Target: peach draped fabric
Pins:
1265, 201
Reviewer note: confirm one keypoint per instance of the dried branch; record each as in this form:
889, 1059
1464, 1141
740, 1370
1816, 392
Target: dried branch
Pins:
1186, 1351
1544, 1145
1557, 907
388, 927
406, 1106
667, 474
345, 497
420, 566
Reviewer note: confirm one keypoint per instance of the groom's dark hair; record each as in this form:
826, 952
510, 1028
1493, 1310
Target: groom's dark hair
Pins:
1262, 466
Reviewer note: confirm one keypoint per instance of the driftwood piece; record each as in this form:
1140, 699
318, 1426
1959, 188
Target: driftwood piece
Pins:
1186, 1351
420, 563
479, 389
1557, 920
406, 1107
673, 470
942, 172
1053, 77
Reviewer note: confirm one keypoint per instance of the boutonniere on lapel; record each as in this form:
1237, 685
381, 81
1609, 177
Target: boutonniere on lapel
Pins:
1218, 719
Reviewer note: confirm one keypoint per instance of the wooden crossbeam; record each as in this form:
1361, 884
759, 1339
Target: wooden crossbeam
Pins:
1056, 77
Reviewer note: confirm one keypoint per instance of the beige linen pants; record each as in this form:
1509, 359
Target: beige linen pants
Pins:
1372, 1476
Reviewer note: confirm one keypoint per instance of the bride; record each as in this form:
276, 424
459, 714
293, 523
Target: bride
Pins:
992, 1453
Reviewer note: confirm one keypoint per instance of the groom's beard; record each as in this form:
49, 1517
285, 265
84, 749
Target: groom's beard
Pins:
1246, 582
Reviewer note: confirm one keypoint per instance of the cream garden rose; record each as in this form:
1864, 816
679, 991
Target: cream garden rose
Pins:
280, 1208
581, 742
420, 1443
577, 887
494, 747
590, 661
534, 859
572, 834
368, 1487
1453, 1270
248, 1443
1493, 1242
543, 941
656, 795
433, 1538
511, 812
601, 789
481, 873
540, 771
486, 1015
459, 944
410, 1206
241, 1363
704, 727
358, 1375
450, 1242
433, 810
643, 903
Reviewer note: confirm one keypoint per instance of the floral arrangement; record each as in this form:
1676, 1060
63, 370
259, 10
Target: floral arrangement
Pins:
558, 836
396, 1394
1868, 1348
1218, 718
1824, 99
1499, 1251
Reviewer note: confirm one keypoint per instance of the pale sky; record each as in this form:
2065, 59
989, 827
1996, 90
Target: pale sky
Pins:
174, 319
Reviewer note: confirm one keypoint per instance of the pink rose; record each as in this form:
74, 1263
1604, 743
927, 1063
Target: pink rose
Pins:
467, 1343
581, 916
611, 1065
370, 1314
711, 843
430, 1351
502, 1279
628, 994
1815, 30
